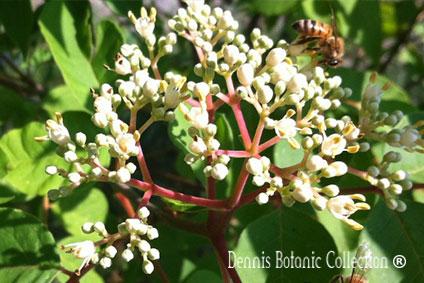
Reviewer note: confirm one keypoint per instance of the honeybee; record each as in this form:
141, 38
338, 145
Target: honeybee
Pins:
361, 266
325, 39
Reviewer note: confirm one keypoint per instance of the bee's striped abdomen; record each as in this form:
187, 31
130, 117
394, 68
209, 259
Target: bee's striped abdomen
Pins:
312, 28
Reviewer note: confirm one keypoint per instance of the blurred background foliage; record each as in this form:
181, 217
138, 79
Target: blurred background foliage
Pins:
53, 52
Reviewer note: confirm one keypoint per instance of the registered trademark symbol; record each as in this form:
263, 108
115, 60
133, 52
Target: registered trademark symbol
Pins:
399, 261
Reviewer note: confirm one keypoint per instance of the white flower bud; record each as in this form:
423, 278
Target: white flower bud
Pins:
226, 21
258, 180
254, 166
331, 190
85, 249
131, 167
152, 233
105, 262
80, 138
245, 74
134, 225
316, 163
231, 54
151, 87
100, 120
265, 94
57, 132
297, 83
123, 175
262, 198
143, 212
219, 171
320, 203
198, 146
334, 82
302, 193
110, 251
74, 177
70, 156
322, 103
127, 255
143, 246
87, 228
148, 267
97, 171
153, 254
51, 170
275, 56
340, 167
126, 88
201, 90
122, 65
100, 228
106, 90
396, 189
399, 175
383, 183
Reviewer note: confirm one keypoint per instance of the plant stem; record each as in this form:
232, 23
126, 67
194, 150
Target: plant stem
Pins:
164, 192
241, 182
269, 143
143, 165
234, 153
126, 204
221, 249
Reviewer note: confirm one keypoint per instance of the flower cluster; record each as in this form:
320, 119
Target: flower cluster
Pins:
372, 120
136, 230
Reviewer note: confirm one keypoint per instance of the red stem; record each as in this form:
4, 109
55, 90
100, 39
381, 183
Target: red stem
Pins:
269, 143
241, 182
221, 249
143, 165
126, 204
164, 192
234, 153
244, 132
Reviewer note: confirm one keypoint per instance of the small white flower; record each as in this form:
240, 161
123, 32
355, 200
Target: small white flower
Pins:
333, 145
57, 132
245, 74
148, 267
151, 87
231, 54
399, 175
254, 166
127, 255
143, 246
302, 193
152, 233
143, 212
282, 72
342, 207
126, 145
258, 180
297, 83
199, 117
322, 103
100, 120
286, 128
134, 225
265, 94
226, 21
102, 104
110, 251
262, 198
153, 254
198, 146
70, 156
320, 202
123, 175
105, 262
122, 65
201, 90
80, 138
126, 88
219, 171
409, 137
316, 163
51, 170
87, 227
97, 171
340, 168
74, 177
140, 77
331, 190
84, 250
100, 228
106, 90
275, 56
144, 26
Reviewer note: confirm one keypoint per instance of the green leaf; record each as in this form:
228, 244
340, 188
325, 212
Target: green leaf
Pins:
81, 10
109, 39
84, 204
21, 112
59, 29
24, 161
70, 262
17, 19
390, 233
27, 248
204, 276
284, 155
272, 7
288, 231
123, 6
62, 98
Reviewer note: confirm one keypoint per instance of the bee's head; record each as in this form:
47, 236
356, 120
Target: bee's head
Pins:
333, 62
